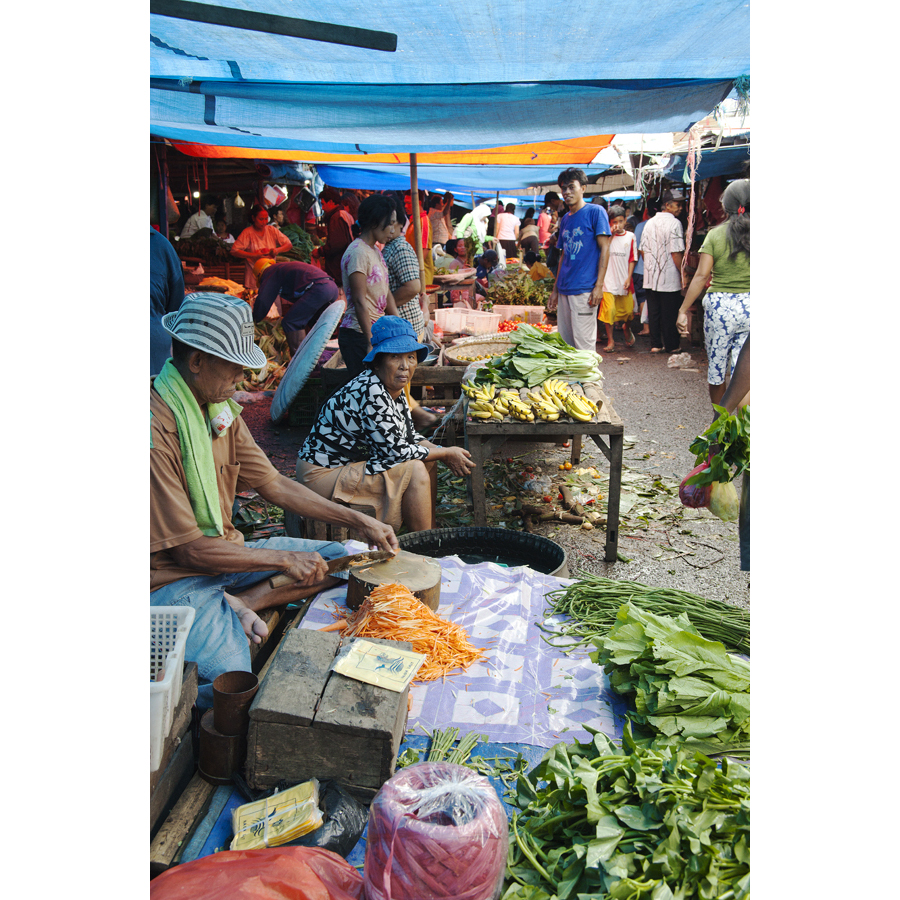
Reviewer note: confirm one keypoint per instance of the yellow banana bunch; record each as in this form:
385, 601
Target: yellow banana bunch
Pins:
484, 409
521, 411
543, 407
474, 393
577, 408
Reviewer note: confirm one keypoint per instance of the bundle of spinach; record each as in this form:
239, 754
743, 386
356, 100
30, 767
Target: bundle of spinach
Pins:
726, 443
628, 822
536, 356
685, 688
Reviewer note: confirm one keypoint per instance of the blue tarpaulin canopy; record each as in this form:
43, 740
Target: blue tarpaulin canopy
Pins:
724, 161
458, 179
463, 75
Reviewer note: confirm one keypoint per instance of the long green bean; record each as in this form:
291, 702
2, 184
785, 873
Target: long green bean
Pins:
592, 602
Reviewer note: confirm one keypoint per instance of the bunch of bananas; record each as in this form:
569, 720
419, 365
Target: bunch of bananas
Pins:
577, 406
544, 406
554, 399
481, 405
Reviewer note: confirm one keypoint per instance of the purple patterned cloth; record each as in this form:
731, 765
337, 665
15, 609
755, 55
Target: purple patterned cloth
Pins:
526, 691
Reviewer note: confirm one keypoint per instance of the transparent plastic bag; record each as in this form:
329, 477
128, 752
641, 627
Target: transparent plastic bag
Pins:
724, 501
437, 831
537, 484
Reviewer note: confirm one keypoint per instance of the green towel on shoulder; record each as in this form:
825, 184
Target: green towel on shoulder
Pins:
196, 437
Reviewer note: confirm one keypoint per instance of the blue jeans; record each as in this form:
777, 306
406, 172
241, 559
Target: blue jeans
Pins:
216, 641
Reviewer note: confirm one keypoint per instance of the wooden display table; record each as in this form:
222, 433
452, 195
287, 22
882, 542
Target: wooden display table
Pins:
484, 438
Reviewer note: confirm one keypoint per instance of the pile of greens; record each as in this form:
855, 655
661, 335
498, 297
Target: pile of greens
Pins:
630, 822
536, 356
686, 690
302, 243
726, 443
516, 288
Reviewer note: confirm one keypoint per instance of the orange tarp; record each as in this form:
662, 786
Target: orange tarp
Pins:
547, 153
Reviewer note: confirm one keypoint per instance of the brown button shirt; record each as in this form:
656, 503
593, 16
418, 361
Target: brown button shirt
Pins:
240, 465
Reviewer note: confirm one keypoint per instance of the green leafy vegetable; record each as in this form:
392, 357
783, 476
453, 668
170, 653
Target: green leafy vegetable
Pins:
726, 443
536, 356
597, 820
685, 688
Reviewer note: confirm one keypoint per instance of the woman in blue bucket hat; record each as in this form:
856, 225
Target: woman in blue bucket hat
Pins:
363, 450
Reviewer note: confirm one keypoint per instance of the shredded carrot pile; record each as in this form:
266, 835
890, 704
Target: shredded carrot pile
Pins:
394, 613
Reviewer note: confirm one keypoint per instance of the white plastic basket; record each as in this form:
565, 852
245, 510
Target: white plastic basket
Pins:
169, 627
450, 320
478, 322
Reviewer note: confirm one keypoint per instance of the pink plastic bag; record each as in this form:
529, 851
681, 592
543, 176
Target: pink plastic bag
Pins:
276, 873
695, 495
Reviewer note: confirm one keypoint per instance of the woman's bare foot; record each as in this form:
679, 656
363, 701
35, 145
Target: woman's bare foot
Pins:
253, 625
609, 348
644, 331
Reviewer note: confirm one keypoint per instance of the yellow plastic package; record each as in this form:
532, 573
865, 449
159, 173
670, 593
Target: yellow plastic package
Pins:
275, 820
723, 501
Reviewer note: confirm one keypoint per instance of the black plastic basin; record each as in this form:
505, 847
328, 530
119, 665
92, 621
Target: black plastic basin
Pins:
497, 545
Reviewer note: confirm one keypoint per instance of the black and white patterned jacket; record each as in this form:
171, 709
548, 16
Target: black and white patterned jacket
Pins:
362, 421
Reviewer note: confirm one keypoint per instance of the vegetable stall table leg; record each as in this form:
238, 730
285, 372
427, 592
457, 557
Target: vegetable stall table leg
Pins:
485, 437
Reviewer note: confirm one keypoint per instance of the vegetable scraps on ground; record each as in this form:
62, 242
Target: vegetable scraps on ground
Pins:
685, 688
629, 822
534, 357
393, 612
592, 604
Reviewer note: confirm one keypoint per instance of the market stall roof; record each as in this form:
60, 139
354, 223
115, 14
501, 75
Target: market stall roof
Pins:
458, 179
722, 161
462, 76
571, 152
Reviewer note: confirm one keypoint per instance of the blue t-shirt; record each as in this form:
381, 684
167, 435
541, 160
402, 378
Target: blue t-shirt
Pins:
578, 242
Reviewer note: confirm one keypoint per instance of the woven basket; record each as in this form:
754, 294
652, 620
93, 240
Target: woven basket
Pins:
494, 345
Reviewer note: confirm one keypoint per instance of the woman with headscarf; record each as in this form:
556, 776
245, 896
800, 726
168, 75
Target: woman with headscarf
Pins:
724, 255
474, 225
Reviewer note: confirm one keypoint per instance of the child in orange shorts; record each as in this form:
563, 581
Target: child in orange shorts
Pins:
618, 291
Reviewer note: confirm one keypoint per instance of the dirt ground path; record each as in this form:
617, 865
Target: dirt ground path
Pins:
661, 543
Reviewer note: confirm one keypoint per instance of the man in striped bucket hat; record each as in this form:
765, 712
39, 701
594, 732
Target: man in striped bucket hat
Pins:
201, 455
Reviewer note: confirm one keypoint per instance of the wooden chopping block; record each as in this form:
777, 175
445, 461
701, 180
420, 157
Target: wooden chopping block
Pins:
420, 574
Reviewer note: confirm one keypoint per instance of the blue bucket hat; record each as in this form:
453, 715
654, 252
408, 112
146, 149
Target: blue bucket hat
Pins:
391, 334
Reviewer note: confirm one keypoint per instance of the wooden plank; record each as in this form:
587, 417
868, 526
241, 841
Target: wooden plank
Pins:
179, 825
172, 781
181, 720
294, 682
349, 706
297, 754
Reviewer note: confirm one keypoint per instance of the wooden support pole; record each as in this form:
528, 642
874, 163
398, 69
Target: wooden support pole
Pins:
417, 221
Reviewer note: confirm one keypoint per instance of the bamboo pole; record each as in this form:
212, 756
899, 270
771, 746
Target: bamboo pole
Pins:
417, 221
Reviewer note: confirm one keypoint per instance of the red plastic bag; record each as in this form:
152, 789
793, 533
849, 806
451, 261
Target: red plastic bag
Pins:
276, 873
695, 495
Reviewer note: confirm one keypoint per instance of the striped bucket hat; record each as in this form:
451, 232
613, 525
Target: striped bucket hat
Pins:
218, 324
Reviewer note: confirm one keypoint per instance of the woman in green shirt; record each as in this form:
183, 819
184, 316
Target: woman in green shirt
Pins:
725, 255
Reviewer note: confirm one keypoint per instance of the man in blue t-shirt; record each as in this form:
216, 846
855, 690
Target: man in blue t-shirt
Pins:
583, 242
